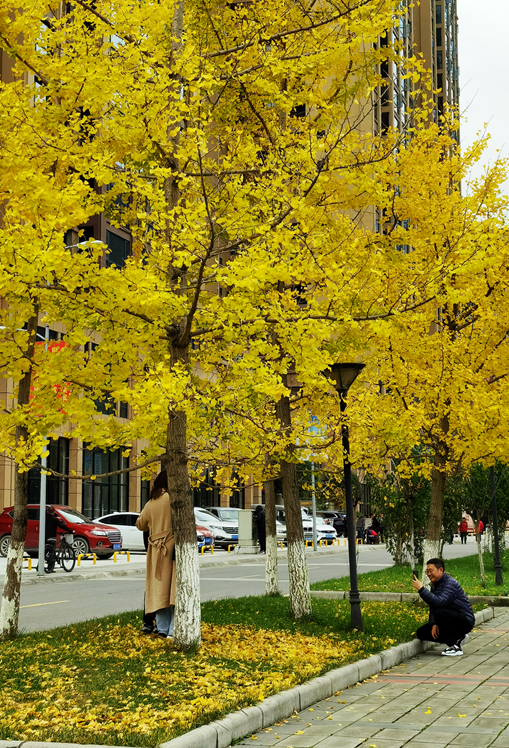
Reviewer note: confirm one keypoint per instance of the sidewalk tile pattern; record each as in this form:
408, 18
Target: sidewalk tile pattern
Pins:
427, 702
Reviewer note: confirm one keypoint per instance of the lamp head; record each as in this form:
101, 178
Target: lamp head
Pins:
344, 375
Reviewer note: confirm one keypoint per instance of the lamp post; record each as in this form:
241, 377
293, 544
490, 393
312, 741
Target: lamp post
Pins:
498, 565
343, 376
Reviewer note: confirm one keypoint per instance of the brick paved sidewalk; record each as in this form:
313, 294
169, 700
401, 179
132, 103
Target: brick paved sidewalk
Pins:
427, 702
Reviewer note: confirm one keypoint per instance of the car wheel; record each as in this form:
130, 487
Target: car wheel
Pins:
5, 544
81, 546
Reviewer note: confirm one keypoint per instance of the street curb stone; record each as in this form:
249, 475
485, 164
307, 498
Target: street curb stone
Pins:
221, 733
496, 601
284, 704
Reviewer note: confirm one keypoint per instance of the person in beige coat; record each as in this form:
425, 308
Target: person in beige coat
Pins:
160, 576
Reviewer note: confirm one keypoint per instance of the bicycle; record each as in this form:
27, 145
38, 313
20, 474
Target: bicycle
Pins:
64, 555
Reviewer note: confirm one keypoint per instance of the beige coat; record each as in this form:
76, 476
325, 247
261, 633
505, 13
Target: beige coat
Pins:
161, 575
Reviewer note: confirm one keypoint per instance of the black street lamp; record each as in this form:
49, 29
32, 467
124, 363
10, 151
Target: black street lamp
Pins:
498, 565
343, 376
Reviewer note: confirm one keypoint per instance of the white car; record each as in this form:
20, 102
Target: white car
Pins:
132, 538
226, 532
323, 531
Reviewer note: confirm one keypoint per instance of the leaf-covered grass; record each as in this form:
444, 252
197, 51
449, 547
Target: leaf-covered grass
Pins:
399, 578
104, 682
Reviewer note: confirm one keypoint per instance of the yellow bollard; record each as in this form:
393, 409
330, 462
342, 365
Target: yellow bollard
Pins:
94, 559
202, 549
230, 546
281, 545
346, 541
359, 540
80, 556
321, 541
115, 557
29, 560
211, 550
128, 555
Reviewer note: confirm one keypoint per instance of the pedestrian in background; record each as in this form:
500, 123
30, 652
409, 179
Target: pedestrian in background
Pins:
260, 527
155, 519
464, 531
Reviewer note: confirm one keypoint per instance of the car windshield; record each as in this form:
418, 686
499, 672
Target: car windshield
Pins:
71, 515
204, 516
229, 514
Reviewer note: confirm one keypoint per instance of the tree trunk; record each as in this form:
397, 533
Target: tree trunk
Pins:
300, 597
432, 545
478, 539
187, 627
271, 570
9, 613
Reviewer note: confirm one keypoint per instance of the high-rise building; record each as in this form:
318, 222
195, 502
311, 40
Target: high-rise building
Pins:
428, 30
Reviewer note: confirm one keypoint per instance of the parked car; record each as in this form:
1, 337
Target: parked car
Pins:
225, 532
323, 531
89, 536
334, 518
125, 522
133, 538
205, 537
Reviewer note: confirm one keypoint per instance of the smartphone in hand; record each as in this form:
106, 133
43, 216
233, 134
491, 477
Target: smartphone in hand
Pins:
415, 573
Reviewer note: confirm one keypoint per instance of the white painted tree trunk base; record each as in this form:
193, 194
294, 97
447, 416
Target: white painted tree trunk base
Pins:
9, 613
271, 569
430, 549
300, 597
187, 626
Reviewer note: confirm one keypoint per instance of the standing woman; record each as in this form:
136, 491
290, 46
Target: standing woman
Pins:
161, 574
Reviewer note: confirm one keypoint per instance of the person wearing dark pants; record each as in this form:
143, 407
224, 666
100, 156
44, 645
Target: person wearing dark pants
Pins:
260, 526
463, 531
451, 617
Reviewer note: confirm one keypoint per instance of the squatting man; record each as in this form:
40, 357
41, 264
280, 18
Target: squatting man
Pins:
450, 614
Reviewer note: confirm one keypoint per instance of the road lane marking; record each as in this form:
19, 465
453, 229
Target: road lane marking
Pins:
37, 605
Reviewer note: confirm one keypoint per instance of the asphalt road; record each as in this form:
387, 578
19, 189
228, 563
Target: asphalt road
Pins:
46, 606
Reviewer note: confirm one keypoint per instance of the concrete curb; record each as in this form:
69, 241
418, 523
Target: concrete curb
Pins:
501, 601
221, 733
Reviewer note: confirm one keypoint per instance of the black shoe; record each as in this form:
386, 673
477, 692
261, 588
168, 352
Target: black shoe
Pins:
147, 629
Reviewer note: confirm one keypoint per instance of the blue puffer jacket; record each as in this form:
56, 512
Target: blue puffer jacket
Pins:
447, 593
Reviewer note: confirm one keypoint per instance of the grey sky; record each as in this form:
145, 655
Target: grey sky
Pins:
483, 40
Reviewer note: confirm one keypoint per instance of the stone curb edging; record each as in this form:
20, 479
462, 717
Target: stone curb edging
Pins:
221, 733
406, 597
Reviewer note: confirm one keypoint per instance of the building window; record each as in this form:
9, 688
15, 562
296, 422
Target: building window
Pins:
385, 121
298, 111
207, 492
440, 59
439, 37
144, 492
105, 495
57, 489
438, 14
122, 410
119, 250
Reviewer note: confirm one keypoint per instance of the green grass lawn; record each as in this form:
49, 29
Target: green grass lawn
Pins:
399, 578
103, 682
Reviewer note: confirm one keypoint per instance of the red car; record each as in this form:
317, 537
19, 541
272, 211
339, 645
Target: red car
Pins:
89, 537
